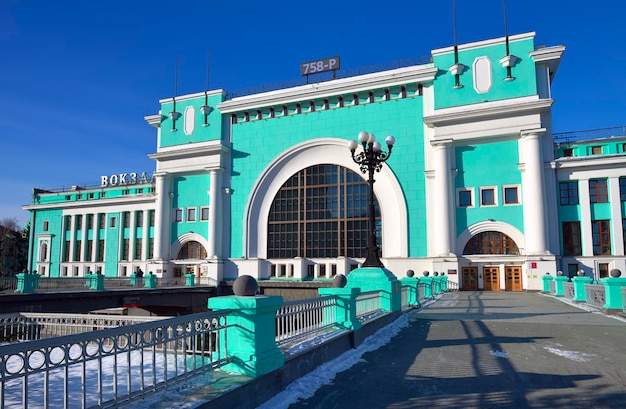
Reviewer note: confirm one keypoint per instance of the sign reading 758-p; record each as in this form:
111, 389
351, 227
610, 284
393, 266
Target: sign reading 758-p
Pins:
313, 67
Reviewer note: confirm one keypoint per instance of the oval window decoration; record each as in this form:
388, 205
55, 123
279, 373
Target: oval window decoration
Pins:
482, 75
189, 120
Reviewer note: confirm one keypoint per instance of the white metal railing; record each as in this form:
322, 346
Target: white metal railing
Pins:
27, 326
61, 283
8, 284
108, 367
368, 303
296, 320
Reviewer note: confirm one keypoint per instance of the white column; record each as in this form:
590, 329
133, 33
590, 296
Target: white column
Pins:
83, 239
132, 236
585, 217
616, 217
72, 238
145, 231
534, 193
214, 204
95, 237
162, 215
442, 245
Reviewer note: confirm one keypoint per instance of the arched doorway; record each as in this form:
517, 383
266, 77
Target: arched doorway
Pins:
491, 243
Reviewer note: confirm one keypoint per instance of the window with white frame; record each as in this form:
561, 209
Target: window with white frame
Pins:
511, 195
465, 197
488, 196
191, 214
178, 215
204, 213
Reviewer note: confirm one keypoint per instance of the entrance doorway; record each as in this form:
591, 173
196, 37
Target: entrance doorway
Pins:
491, 278
469, 278
513, 278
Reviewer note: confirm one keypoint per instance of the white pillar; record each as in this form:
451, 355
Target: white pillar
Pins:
83, 239
585, 217
442, 244
145, 230
214, 204
162, 215
132, 236
616, 217
534, 193
72, 238
95, 238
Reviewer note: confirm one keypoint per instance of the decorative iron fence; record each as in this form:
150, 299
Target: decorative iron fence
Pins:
107, 367
368, 304
8, 284
302, 319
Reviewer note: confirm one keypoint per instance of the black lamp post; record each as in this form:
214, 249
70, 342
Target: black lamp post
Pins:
370, 161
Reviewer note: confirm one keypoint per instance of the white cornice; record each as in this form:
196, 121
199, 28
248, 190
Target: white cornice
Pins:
187, 151
154, 120
193, 96
485, 43
493, 109
550, 56
589, 162
114, 201
400, 76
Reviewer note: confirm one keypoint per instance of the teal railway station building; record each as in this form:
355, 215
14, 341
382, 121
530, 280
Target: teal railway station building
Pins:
263, 184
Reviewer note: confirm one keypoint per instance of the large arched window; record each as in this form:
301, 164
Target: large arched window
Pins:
192, 250
322, 212
491, 242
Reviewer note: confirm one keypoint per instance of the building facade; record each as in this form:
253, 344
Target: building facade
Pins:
264, 184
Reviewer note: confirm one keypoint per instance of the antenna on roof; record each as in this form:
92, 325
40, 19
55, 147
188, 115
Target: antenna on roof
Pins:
175, 115
456, 68
508, 52
205, 109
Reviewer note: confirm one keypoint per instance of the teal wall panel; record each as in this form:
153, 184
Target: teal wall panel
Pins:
201, 133
190, 191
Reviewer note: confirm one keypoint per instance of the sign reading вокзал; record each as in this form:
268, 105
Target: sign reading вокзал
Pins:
122, 179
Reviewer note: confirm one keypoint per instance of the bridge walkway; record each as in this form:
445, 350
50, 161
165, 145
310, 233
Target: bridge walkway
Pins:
488, 350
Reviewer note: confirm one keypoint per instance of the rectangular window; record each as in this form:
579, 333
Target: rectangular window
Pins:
178, 215
138, 249
204, 214
572, 245
572, 270
622, 189
125, 248
66, 251
150, 248
89, 221
465, 197
68, 223
487, 196
78, 250
568, 152
126, 219
100, 255
596, 150
569, 192
89, 250
139, 218
191, 214
601, 235
603, 270
112, 222
598, 191
511, 195
46, 224
151, 217
79, 222
101, 221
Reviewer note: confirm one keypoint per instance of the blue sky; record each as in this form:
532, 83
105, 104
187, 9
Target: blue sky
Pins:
77, 77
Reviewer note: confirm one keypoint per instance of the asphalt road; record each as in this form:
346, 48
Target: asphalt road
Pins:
490, 350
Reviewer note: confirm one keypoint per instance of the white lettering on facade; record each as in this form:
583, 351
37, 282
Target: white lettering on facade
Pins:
132, 178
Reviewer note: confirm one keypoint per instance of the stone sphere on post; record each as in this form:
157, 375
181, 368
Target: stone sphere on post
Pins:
615, 273
410, 273
580, 273
245, 286
339, 281
426, 273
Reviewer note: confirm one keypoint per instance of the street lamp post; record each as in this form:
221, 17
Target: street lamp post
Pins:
370, 161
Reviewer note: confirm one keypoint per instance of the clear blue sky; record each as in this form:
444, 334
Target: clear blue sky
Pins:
77, 77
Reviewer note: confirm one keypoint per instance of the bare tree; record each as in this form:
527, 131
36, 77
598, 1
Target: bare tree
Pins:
13, 247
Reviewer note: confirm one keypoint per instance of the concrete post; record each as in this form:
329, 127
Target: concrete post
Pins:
579, 288
150, 281
190, 280
378, 279
558, 285
412, 293
345, 308
251, 334
24, 283
428, 287
613, 292
546, 283
97, 282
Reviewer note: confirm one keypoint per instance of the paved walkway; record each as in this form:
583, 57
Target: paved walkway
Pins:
490, 350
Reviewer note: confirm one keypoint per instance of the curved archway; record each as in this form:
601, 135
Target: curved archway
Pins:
488, 226
200, 246
491, 242
334, 151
